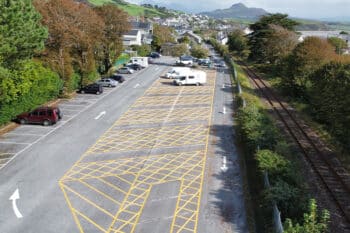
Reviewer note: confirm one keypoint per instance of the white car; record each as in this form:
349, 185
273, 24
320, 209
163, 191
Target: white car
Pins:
125, 70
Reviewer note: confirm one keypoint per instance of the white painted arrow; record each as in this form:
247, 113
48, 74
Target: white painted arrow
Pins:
224, 110
137, 85
14, 197
224, 167
100, 115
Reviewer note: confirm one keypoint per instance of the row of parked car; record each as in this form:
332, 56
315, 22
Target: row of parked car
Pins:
51, 115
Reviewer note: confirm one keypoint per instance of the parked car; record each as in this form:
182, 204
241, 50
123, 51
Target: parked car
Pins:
43, 115
155, 55
204, 62
107, 82
118, 78
135, 66
125, 70
92, 89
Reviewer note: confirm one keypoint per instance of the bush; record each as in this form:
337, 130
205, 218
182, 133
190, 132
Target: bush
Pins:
26, 88
142, 50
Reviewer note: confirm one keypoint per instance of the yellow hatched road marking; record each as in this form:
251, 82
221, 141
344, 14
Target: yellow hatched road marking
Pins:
133, 178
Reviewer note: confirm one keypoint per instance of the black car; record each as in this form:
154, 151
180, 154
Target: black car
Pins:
135, 66
118, 78
92, 89
154, 55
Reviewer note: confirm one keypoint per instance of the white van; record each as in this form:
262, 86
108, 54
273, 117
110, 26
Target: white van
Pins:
176, 71
193, 77
142, 61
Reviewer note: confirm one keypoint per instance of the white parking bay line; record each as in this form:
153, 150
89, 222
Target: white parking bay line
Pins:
51, 130
16, 143
24, 134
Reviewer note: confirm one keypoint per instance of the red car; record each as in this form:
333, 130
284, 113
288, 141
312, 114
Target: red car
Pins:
43, 115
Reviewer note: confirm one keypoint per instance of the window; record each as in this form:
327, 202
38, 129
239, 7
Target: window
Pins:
191, 77
42, 113
35, 113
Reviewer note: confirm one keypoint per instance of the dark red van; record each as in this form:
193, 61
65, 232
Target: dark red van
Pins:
43, 115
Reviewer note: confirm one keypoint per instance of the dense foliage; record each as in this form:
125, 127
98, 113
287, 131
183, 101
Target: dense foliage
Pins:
330, 99
24, 89
199, 52
265, 30
21, 33
161, 35
313, 222
53, 47
238, 42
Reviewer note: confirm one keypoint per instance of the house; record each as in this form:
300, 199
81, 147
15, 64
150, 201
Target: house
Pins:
145, 28
133, 37
323, 35
141, 33
223, 40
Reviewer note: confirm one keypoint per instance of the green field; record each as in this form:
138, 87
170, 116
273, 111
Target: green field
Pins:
131, 9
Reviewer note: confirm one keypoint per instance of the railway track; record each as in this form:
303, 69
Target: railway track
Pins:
333, 176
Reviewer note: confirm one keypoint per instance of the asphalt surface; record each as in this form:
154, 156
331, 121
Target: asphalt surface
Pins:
144, 157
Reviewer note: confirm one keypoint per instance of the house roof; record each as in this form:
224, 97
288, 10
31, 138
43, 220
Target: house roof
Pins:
141, 25
132, 32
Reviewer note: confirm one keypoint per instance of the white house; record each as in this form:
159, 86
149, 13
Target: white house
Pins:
133, 37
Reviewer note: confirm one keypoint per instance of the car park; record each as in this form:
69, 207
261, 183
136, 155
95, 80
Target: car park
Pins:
204, 62
125, 70
43, 115
91, 89
193, 77
135, 66
118, 78
185, 60
107, 82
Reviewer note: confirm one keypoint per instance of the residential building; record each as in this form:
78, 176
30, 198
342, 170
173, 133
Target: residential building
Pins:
133, 37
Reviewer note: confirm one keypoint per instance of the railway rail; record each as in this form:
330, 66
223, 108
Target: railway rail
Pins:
333, 176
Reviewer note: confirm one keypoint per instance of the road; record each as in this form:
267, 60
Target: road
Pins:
140, 158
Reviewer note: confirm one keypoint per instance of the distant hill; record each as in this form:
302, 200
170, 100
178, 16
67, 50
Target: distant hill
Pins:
237, 11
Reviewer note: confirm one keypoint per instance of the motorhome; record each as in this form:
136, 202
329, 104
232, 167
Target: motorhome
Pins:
192, 77
143, 61
176, 71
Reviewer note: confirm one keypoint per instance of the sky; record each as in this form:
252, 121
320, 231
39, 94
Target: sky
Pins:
317, 9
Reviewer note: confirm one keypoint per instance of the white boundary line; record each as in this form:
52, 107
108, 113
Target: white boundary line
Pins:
58, 127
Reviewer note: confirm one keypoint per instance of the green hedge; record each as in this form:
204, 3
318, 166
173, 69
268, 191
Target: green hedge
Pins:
26, 88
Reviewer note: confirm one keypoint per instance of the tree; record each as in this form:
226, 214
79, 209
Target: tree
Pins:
338, 43
185, 40
313, 223
75, 32
116, 24
179, 50
161, 35
237, 42
262, 31
142, 50
306, 58
280, 43
330, 99
199, 52
21, 32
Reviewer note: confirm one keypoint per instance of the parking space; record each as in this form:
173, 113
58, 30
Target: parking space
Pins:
153, 154
22, 137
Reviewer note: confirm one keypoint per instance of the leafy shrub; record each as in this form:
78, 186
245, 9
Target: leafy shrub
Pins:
25, 89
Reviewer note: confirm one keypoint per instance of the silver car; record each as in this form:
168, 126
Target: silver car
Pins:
107, 82
125, 70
